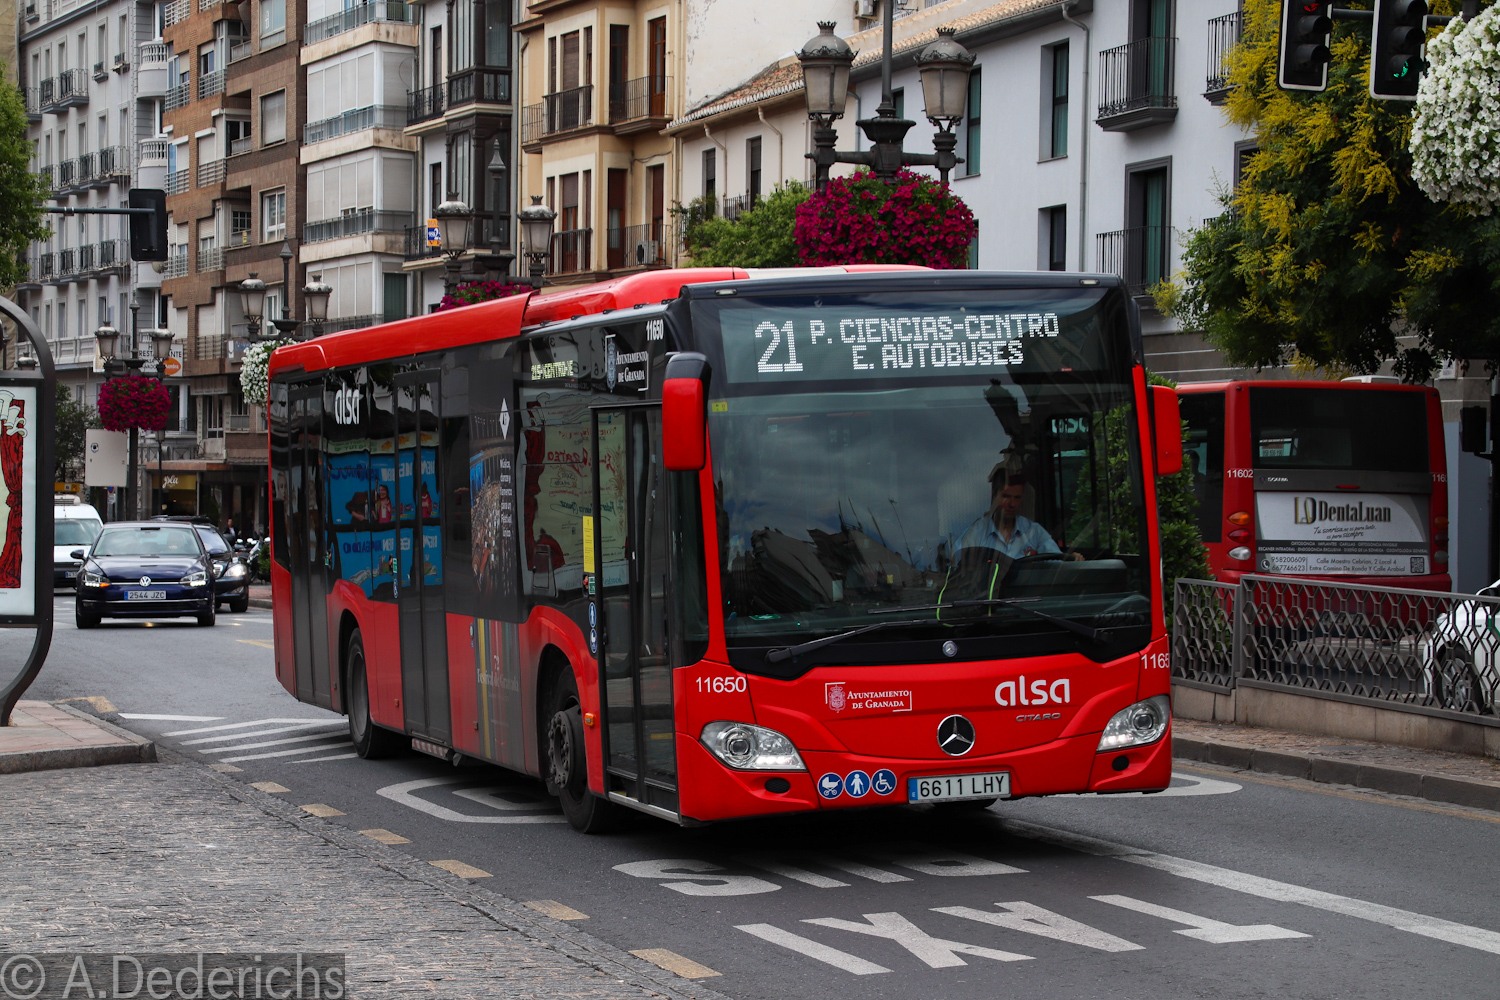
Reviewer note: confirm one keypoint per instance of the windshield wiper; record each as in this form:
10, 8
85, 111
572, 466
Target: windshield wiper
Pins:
1088, 632
783, 653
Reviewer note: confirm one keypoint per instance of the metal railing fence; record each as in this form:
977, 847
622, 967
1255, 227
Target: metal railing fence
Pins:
1402, 649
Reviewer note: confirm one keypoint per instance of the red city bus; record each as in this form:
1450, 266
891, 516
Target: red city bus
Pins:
1342, 481
692, 542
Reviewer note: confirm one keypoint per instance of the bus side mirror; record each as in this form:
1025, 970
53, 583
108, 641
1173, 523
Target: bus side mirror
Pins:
1167, 429
684, 415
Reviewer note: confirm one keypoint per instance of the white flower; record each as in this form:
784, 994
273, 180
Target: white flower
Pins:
1456, 120
253, 376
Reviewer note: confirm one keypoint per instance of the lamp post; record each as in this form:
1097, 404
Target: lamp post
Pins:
944, 67
315, 296
126, 365
536, 221
454, 219
161, 485
500, 257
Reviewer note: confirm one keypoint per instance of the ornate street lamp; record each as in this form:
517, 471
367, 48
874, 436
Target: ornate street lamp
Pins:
315, 296
286, 326
536, 221
253, 303
944, 67
454, 219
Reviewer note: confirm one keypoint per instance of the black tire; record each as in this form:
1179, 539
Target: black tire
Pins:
85, 620
566, 761
1456, 683
370, 741
207, 618
240, 605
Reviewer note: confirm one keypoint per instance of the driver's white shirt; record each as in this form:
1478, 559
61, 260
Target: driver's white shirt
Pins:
1028, 538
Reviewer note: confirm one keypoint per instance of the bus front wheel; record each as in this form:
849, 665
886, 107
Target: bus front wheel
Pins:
567, 761
370, 741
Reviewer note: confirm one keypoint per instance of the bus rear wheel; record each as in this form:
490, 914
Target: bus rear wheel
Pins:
567, 761
370, 741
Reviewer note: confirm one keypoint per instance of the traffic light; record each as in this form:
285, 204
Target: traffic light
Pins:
1306, 29
1396, 62
148, 230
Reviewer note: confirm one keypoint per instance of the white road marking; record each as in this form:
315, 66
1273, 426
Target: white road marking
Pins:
331, 734
812, 949
936, 953
1028, 918
170, 718
404, 793
319, 760
1203, 928
1196, 786
281, 753
263, 732
238, 725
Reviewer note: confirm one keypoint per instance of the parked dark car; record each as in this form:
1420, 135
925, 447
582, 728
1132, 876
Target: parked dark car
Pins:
231, 573
145, 569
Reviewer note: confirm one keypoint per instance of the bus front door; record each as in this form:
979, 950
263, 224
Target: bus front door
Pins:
628, 600
307, 544
419, 559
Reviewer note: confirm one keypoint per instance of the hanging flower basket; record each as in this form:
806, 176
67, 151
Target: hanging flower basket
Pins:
467, 293
915, 219
134, 401
254, 377
1455, 134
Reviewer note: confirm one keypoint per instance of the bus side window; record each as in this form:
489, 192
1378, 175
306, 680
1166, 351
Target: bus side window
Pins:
1204, 453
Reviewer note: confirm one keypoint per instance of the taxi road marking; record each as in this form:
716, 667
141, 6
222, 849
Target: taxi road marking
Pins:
460, 869
555, 910
319, 809
385, 836
675, 963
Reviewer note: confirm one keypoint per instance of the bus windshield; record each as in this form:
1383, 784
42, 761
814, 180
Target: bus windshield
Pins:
1332, 429
859, 454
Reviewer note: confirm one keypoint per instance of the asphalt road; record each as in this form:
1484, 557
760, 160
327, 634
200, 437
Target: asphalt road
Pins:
1230, 885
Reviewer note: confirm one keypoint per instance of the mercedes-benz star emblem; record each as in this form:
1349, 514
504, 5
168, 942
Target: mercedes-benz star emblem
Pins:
955, 735
145, 581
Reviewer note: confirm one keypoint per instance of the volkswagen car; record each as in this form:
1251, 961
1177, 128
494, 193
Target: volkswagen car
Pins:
231, 572
146, 569
1461, 655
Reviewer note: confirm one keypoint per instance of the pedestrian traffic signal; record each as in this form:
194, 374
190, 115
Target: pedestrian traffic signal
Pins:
1306, 30
1396, 43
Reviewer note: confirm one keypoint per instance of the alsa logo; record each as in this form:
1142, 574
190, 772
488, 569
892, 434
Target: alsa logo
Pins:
1039, 692
346, 406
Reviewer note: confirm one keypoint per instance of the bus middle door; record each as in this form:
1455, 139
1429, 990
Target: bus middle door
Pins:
419, 558
628, 606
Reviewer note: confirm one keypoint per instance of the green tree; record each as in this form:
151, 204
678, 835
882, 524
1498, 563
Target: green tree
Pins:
21, 191
73, 422
1326, 242
759, 237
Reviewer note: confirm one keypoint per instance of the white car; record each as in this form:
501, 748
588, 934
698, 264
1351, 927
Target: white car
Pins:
1461, 654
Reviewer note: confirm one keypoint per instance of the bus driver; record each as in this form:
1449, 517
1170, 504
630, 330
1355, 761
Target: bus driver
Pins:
1004, 529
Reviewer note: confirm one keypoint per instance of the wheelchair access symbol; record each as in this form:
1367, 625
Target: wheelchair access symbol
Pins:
883, 782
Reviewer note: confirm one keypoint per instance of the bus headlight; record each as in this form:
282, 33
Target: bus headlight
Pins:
1142, 723
751, 748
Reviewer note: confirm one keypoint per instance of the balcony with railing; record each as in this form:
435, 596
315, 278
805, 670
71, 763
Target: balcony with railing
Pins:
178, 96
153, 153
425, 104
176, 10
177, 262
635, 246
736, 204
356, 223
1141, 255
67, 176
72, 89
240, 50
639, 104
110, 255
155, 53
416, 245
67, 265
240, 238
1223, 35
572, 251
101, 71
563, 111
210, 84
354, 120
1137, 87
46, 266
33, 97
213, 172
389, 11
479, 85
114, 163
210, 258
179, 182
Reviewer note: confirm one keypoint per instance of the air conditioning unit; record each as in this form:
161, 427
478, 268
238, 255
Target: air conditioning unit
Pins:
647, 252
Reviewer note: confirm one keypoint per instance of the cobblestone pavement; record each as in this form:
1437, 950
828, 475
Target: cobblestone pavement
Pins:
174, 858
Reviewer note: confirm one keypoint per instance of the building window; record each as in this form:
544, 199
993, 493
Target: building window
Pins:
752, 171
273, 216
898, 101
1055, 238
272, 21
710, 180
971, 126
1057, 119
273, 118
1148, 204
1244, 152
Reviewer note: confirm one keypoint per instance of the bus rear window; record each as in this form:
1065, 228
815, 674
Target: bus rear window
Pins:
1338, 429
